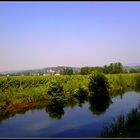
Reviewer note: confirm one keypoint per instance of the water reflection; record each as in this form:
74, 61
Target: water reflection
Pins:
65, 118
71, 102
55, 108
99, 104
81, 100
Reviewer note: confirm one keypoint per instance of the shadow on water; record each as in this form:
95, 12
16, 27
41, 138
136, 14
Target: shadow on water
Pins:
55, 108
99, 103
81, 100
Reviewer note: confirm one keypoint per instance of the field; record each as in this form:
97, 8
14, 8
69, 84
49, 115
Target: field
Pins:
27, 89
20, 93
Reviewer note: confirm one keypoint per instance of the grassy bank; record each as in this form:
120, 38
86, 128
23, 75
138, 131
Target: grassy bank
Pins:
26, 89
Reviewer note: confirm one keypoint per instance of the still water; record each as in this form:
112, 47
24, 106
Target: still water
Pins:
77, 121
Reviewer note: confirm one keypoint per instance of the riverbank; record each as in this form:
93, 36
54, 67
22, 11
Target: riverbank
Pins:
75, 117
27, 89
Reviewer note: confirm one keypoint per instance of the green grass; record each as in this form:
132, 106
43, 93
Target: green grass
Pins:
124, 126
35, 88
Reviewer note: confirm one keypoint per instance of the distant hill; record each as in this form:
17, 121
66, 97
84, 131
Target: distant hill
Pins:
48, 70
130, 67
39, 71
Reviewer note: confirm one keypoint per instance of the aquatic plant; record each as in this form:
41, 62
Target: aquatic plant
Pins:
124, 126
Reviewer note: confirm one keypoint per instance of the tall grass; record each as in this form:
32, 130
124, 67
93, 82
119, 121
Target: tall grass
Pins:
123, 126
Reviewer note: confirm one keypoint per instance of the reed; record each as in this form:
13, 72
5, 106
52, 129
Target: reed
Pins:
124, 126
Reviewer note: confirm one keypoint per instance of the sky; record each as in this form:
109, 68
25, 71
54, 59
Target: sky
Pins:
44, 34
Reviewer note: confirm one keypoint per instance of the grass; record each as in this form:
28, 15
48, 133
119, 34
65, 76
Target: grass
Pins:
124, 126
27, 89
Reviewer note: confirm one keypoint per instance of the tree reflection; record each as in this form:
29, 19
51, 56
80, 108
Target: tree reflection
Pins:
99, 103
71, 102
55, 108
81, 102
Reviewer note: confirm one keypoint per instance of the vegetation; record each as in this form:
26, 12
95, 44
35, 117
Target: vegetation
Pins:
134, 70
23, 90
66, 71
33, 87
124, 126
54, 88
55, 92
98, 83
113, 68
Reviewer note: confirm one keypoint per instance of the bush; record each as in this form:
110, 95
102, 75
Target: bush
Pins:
81, 92
54, 88
98, 83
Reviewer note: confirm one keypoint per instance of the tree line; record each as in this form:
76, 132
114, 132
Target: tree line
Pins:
112, 68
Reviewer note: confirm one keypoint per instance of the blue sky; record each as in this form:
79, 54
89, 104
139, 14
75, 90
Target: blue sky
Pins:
44, 34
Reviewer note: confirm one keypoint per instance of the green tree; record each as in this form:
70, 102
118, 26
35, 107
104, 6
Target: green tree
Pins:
133, 70
113, 68
66, 71
106, 69
98, 83
118, 67
86, 70
54, 88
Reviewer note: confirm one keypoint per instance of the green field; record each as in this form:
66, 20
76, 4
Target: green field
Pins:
27, 89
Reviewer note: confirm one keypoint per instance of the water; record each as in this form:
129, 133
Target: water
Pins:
74, 121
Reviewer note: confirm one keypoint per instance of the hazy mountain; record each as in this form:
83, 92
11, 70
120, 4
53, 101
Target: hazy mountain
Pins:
36, 71
42, 71
130, 67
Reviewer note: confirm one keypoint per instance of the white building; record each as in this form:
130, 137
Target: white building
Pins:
57, 74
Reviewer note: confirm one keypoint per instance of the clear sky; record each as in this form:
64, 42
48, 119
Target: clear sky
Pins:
44, 34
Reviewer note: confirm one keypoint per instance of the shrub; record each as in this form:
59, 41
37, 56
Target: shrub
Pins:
81, 92
98, 83
54, 88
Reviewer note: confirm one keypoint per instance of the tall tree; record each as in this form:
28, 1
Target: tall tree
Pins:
66, 71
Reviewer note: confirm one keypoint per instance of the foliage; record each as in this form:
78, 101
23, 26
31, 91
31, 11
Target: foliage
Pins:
54, 88
66, 71
86, 70
134, 70
98, 83
38, 88
81, 93
113, 68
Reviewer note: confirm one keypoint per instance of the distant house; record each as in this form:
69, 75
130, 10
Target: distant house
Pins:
57, 74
